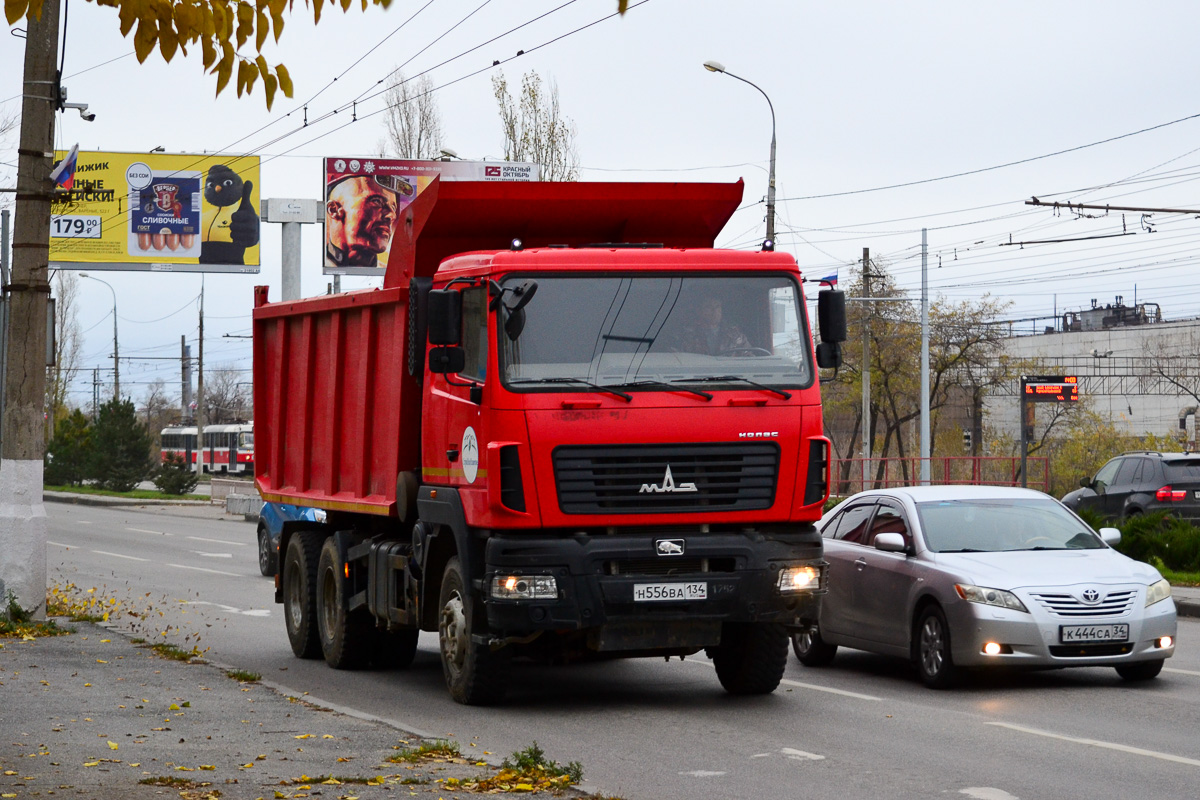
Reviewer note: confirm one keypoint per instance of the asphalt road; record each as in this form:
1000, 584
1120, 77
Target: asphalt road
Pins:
863, 727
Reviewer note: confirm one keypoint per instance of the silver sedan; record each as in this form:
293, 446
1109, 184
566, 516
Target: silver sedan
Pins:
972, 576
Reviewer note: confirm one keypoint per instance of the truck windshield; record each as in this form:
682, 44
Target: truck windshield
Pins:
638, 332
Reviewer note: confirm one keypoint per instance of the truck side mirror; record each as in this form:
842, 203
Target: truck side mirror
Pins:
831, 315
445, 317
447, 360
829, 355
514, 324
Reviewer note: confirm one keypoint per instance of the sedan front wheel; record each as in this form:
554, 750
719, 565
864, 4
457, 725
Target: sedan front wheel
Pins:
931, 650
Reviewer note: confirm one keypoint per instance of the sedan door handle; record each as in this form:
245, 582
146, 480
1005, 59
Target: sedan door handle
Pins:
860, 563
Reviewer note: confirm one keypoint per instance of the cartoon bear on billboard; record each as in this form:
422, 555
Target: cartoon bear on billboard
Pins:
227, 231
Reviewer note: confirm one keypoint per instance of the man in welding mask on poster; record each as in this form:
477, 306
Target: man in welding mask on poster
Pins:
360, 212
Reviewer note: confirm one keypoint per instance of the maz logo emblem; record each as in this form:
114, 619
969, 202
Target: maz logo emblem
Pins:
668, 547
668, 485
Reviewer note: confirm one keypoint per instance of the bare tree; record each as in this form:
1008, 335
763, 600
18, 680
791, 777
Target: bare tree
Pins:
66, 349
160, 409
226, 395
535, 129
414, 125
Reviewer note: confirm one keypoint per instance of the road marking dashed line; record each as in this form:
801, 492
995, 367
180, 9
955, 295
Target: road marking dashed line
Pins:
202, 569
118, 555
1124, 748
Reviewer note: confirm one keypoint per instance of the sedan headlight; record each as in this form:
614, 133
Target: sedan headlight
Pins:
989, 597
1157, 592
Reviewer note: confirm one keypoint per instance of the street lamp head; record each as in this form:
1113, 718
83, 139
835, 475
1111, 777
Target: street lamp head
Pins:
448, 154
714, 66
84, 275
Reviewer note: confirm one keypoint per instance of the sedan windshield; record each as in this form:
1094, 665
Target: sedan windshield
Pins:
989, 526
641, 332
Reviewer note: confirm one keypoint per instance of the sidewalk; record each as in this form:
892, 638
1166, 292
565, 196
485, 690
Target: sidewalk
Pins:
92, 714
1187, 600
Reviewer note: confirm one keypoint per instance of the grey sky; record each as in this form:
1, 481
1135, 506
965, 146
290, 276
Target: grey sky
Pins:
866, 95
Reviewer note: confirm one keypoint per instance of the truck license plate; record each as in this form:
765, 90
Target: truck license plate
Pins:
1071, 634
649, 592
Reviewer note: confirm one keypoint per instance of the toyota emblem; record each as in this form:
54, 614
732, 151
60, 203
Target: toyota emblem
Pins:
1090, 596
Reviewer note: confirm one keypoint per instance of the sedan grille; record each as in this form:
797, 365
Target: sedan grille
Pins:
1062, 604
666, 478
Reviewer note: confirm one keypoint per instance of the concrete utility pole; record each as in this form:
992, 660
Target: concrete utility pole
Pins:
3, 314
22, 513
925, 442
185, 394
200, 389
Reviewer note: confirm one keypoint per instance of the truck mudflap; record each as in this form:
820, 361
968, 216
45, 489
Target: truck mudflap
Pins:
641, 592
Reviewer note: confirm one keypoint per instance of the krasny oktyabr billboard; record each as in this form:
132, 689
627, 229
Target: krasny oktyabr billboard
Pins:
364, 198
159, 212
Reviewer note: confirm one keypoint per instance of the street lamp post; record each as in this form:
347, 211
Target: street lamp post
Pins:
716, 66
116, 352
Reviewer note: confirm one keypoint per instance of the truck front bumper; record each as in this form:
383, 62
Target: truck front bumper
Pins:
632, 591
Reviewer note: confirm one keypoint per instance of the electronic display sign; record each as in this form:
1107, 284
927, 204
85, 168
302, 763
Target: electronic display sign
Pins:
1050, 389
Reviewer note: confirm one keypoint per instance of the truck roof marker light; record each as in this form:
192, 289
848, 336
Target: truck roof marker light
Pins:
346, 568
517, 245
768, 246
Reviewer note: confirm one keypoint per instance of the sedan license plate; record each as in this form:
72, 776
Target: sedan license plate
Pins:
651, 592
1072, 634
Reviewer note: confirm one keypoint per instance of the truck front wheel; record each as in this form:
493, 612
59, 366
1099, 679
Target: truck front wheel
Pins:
346, 636
300, 593
751, 657
475, 675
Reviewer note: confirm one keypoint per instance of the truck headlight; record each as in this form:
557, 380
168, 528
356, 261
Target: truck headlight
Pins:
989, 597
524, 587
798, 579
1157, 592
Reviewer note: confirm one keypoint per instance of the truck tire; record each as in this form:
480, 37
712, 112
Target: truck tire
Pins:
266, 553
346, 636
300, 593
475, 675
751, 657
395, 649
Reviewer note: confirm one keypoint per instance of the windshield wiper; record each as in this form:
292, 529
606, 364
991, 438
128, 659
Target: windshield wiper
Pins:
661, 385
583, 381
727, 378
965, 550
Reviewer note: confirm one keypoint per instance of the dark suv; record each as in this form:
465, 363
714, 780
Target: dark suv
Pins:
1133, 483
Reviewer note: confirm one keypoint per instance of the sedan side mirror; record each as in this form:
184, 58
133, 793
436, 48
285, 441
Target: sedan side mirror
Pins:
1110, 536
890, 543
1085, 482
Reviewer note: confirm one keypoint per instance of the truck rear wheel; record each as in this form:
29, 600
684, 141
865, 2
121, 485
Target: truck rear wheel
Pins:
346, 636
751, 657
475, 675
300, 593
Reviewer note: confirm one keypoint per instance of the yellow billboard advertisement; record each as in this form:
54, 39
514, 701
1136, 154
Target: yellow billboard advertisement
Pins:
158, 212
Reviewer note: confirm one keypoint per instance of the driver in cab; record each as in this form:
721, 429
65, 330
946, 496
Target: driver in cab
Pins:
708, 332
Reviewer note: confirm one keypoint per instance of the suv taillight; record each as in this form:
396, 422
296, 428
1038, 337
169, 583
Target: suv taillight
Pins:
1168, 495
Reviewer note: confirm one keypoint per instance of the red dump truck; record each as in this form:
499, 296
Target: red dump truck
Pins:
566, 428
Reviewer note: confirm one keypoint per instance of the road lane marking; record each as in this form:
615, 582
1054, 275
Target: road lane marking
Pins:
703, 773
1181, 671
56, 544
202, 569
213, 555
813, 686
1124, 748
118, 555
143, 530
801, 755
987, 793
219, 541
252, 612
83, 522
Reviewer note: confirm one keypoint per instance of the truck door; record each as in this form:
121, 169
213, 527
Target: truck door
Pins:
457, 425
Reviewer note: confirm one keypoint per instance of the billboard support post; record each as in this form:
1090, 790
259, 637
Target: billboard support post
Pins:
291, 214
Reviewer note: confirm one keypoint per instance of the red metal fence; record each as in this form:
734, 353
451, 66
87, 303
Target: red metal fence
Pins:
881, 473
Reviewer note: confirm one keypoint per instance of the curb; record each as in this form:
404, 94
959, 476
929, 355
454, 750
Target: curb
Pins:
102, 500
1187, 608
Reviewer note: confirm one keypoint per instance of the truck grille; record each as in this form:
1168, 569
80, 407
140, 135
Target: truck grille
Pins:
666, 478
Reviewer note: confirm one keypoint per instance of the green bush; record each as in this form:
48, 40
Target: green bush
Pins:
175, 475
68, 452
1149, 537
120, 457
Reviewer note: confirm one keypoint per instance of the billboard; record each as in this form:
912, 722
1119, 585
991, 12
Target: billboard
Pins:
364, 198
158, 212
